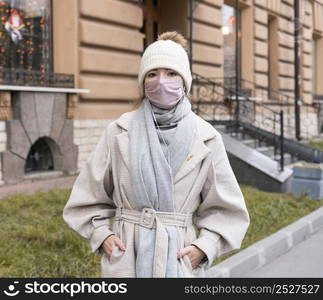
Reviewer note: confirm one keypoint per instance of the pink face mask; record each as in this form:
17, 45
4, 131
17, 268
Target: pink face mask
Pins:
164, 93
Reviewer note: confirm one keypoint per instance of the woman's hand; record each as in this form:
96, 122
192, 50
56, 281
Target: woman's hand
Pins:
110, 242
194, 253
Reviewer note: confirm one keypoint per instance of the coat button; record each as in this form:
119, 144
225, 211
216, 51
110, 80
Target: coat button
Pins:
189, 157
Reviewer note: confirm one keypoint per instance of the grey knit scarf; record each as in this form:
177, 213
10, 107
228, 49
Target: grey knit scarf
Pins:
152, 174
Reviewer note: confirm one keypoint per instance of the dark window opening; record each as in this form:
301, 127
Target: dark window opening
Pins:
155, 34
143, 31
151, 18
39, 158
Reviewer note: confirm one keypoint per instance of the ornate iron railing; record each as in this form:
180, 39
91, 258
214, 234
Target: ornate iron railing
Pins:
266, 94
216, 102
35, 78
309, 124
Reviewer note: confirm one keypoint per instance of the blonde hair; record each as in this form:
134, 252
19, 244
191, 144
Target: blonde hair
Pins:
168, 35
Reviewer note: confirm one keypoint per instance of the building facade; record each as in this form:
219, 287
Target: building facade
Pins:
52, 52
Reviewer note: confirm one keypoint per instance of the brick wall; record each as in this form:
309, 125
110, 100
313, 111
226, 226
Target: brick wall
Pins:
208, 39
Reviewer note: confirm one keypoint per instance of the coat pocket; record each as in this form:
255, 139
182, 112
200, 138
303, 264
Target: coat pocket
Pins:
121, 263
116, 255
189, 236
187, 269
187, 263
118, 265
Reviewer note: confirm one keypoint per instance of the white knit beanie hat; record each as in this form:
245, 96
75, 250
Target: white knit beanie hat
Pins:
165, 54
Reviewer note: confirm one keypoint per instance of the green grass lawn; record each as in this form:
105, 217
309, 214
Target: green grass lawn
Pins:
36, 242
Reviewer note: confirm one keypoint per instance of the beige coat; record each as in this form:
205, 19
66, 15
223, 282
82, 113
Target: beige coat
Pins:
205, 185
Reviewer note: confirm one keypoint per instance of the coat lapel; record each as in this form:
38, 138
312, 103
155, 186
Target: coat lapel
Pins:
197, 153
123, 143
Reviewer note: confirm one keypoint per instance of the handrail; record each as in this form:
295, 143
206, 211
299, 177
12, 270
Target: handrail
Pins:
240, 94
267, 92
289, 144
280, 100
206, 92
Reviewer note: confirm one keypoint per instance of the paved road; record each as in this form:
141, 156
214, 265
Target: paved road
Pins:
304, 260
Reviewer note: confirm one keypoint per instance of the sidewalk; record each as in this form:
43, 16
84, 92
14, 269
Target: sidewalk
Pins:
294, 251
45, 185
304, 260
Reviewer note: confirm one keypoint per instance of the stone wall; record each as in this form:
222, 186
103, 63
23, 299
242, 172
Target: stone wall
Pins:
110, 46
208, 38
37, 115
284, 13
282, 45
86, 135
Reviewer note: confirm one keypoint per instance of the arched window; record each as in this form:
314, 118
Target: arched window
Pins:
40, 157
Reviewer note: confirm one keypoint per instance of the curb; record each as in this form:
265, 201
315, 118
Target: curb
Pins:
269, 248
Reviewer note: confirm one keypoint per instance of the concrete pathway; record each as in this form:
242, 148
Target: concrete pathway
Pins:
45, 185
303, 260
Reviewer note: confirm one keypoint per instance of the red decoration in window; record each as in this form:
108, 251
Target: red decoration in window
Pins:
231, 20
15, 26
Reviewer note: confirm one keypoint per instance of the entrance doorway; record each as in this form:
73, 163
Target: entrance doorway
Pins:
151, 15
163, 15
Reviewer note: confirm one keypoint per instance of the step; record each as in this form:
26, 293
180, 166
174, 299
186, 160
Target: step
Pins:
240, 136
287, 158
267, 150
253, 162
258, 145
253, 143
221, 128
243, 98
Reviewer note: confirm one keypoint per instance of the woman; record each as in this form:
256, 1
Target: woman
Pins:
158, 173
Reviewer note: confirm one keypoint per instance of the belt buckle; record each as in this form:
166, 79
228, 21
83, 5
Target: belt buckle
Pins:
147, 217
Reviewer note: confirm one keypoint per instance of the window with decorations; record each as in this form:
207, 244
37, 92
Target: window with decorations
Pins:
26, 44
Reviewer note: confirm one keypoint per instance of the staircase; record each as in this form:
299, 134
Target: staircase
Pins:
259, 155
259, 145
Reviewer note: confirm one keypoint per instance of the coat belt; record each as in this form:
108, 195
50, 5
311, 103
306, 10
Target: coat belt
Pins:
148, 216
151, 218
